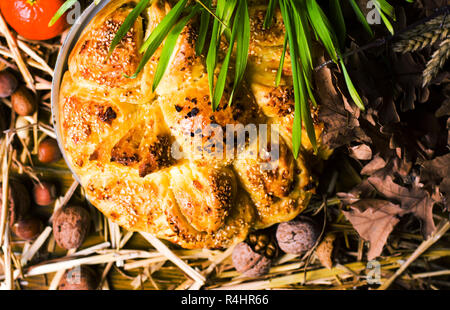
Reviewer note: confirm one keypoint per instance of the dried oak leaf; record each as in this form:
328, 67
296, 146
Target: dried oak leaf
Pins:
412, 200
361, 152
444, 109
377, 163
407, 73
436, 172
340, 118
325, 249
374, 221
428, 7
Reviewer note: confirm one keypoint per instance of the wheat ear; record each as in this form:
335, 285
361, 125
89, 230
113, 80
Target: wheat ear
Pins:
423, 35
436, 62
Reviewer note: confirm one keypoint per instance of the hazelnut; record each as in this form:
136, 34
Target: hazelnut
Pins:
8, 84
79, 278
44, 194
18, 201
28, 228
297, 236
23, 101
248, 262
70, 226
48, 151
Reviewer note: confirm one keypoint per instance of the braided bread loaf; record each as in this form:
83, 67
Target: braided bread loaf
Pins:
118, 135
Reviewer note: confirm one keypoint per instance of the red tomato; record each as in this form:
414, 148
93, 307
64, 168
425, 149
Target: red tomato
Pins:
30, 18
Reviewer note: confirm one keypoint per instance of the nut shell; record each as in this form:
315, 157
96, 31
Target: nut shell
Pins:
297, 236
23, 101
79, 278
44, 194
248, 262
8, 84
28, 228
70, 226
19, 201
48, 151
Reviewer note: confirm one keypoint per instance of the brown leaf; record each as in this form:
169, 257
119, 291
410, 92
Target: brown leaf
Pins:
435, 170
374, 220
361, 152
436, 174
341, 125
376, 164
325, 249
414, 200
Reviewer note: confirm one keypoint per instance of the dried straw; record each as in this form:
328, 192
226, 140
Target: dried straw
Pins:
161, 247
12, 43
442, 229
37, 244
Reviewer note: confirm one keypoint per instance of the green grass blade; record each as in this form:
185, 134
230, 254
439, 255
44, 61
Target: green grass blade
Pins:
203, 30
163, 28
360, 15
386, 21
281, 65
386, 8
297, 126
228, 11
306, 115
209, 10
242, 23
338, 21
221, 79
158, 35
61, 11
127, 25
322, 27
351, 88
211, 57
268, 19
224, 13
226, 17
299, 20
169, 47
310, 92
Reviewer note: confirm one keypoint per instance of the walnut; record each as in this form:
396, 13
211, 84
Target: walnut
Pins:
70, 226
297, 236
79, 278
248, 262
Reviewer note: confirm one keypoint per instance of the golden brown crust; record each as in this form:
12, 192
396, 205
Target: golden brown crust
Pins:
134, 150
90, 60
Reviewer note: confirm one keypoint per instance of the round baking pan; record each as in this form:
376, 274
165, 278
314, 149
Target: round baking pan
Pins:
61, 67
